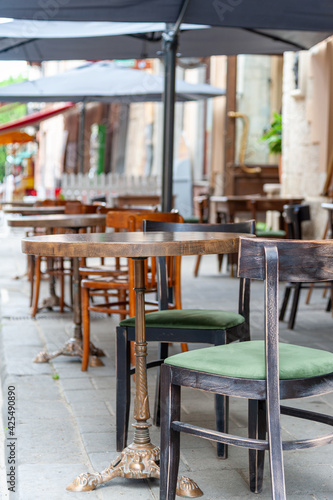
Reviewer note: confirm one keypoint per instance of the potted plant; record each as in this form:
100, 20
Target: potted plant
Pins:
273, 137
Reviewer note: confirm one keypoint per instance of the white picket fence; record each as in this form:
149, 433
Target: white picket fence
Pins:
85, 188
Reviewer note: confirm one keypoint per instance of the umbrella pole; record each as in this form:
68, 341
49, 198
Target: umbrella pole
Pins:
170, 44
81, 137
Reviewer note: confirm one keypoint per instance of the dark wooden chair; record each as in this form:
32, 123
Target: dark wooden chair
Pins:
263, 371
203, 203
294, 216
189, 325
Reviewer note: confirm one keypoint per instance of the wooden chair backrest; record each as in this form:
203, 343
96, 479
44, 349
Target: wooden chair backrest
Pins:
233, 227
73, 207
298, 261
203, 206
294, 215
163, 217
105, 210
50, 203
236, 227
282, 260
173, 264
128, 220
89, 209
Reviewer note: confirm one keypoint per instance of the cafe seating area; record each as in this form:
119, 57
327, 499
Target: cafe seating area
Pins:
98, 261
84, 432
166, 250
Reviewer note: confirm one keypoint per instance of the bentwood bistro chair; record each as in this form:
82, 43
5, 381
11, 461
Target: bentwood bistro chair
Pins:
263, 371
186, 325
117, 289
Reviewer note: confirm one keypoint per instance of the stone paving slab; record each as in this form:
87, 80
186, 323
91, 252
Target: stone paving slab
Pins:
66, 418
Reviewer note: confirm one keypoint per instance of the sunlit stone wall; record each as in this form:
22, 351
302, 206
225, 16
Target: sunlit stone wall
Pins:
301, 173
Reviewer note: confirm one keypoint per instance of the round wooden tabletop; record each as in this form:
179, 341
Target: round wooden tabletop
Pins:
58, 220
19, 203
132, 244
23, 210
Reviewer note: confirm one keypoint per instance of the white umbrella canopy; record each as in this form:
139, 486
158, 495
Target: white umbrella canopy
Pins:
103, 82
57, 40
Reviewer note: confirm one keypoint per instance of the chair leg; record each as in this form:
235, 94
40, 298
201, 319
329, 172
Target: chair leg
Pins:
329, 305
222, 410
36, 280
71, 283
275, 450
294, 306
257, 430
123, 396
170, 440
308, 295
222, 422
85, 328
197, 264
163, 349
31, 268
220, 261
285, 302
132, 353
62, 285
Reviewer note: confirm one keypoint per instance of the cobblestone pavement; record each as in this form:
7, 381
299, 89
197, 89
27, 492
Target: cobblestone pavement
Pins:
66, 418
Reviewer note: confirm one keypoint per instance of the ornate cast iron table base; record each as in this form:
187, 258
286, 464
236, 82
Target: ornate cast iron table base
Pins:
73, 347
137, 461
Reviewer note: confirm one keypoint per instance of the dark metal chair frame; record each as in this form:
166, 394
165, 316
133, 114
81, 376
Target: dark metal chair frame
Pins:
165, 335
294, 216
270, 261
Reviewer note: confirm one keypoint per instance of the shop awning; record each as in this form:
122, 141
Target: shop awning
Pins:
15, 137
34, 118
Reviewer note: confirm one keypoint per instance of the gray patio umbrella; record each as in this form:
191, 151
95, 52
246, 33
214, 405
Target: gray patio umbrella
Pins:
285, 18
102, 82
50, 40
56, 40
312, 15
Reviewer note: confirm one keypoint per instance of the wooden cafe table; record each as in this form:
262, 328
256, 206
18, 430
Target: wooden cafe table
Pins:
16, 203
26, 210
138, 460
72, 222
253, 204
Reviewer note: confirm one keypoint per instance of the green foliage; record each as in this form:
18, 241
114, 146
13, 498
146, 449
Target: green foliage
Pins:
11, 80
55, 376
11, 112
273, 136
3, 156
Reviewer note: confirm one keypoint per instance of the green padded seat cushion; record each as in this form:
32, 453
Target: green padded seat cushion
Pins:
191, 220
195, 319
295, 362
267, 233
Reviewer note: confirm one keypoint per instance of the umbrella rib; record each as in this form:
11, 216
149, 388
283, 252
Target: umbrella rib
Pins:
276, 38
151, 37
17, 45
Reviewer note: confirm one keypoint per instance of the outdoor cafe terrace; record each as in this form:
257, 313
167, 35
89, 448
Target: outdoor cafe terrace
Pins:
66, 418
